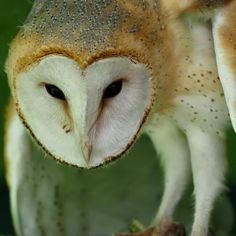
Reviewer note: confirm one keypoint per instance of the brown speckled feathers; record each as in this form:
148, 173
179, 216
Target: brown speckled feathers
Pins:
87, 30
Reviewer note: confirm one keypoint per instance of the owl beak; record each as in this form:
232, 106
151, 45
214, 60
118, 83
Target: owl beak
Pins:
86, 150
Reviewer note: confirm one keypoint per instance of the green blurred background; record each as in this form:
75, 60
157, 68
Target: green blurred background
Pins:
12, 15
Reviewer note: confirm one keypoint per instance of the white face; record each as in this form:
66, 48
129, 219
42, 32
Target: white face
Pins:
84, 117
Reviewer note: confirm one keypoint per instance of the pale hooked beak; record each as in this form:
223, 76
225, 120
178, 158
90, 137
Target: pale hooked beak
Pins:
86, 149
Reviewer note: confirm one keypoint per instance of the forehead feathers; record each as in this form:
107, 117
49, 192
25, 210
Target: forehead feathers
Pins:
88, 25
88, 30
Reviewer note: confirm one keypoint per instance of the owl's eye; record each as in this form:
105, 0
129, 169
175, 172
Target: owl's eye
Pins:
54, 91
113, 89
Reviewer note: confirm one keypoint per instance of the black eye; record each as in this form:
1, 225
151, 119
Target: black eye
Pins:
54, 91
113, 89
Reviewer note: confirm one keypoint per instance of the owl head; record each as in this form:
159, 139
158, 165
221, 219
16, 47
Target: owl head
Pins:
81, 77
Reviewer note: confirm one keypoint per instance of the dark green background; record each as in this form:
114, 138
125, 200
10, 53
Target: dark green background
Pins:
12, 15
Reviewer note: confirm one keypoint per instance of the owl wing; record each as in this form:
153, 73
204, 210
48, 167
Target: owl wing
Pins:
223, 18
14, 150
224, 34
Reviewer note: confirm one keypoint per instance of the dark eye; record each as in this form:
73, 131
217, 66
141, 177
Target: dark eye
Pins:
113, 89
54, 91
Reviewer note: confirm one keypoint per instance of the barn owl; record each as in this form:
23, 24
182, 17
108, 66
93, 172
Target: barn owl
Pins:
88, 77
